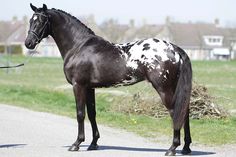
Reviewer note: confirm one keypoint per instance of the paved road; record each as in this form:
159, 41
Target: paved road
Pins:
25, 133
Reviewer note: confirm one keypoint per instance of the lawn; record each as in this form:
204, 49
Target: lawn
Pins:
40, 85
220, 78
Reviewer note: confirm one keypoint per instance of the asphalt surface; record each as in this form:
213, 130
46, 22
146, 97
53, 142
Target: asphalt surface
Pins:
25, 133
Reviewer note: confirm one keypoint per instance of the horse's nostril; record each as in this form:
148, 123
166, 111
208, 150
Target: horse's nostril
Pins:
28, 44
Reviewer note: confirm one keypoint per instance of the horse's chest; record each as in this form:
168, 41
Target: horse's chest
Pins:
75, 72
68, 75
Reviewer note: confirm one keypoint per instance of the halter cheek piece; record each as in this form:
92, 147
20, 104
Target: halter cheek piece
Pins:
39, 36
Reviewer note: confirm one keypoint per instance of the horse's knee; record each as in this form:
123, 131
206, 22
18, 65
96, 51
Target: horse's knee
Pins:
80, 116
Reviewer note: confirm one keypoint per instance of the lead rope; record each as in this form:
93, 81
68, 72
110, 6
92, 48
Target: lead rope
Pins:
21, 64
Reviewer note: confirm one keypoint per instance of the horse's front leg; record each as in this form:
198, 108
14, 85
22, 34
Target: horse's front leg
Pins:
80, 98
91, 110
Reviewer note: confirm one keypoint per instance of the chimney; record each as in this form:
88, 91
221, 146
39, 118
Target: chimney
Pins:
132, 23
168, 20
217, 22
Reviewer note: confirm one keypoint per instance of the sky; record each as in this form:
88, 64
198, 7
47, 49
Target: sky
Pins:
148, 11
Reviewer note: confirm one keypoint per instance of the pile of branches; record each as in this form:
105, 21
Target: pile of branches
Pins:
201, 105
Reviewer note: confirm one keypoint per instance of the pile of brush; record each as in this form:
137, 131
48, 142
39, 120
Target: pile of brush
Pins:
201, 105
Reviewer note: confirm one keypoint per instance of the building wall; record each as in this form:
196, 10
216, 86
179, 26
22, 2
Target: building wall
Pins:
44, 50
197, 54
233, 52
48, 50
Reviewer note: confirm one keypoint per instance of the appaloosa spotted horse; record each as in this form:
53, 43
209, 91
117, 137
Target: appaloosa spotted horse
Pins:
91, 62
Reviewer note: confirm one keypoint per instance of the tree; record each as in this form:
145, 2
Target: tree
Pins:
14, 18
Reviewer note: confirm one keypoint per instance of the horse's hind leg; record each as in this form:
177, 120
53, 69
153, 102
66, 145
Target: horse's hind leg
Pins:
91, 110
187, 136
166, 93
167, 97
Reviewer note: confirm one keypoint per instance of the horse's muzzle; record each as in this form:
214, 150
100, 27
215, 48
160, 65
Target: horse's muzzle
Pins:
30, 44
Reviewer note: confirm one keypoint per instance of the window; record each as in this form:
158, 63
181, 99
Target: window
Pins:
213, 40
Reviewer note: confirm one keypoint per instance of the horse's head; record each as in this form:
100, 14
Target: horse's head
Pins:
39, 26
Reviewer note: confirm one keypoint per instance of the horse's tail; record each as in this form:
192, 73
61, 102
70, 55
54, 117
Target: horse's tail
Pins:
182, 93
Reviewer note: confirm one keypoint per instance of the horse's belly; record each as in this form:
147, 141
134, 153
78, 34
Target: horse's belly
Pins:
128, 81
114, 82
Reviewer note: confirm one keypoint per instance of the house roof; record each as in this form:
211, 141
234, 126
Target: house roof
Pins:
7, 28
16, 32
90, 22
191, 34
19, 35
145, 31
229, 36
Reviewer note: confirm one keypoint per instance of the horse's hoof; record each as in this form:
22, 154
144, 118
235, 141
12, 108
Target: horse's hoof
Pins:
186, 151
170, 153
93, 147
73, 148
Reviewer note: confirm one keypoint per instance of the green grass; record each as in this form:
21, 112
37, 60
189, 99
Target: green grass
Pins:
220, 78
35, 86
38, 99
214, 132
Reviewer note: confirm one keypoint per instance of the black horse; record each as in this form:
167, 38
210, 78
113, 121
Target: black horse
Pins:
91, 62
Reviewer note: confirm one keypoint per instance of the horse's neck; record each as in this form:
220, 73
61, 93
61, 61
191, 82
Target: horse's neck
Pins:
67, 33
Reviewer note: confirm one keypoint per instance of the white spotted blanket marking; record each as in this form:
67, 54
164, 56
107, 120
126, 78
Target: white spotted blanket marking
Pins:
147, 52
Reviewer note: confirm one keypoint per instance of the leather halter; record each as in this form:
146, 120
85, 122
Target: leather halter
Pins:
39, 36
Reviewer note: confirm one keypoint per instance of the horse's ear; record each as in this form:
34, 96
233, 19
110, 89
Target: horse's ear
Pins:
45, 7
34, 8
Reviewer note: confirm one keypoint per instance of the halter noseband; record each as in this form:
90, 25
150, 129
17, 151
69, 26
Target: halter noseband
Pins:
37, 35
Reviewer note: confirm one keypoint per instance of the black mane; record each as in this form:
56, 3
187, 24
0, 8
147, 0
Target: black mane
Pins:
76, 20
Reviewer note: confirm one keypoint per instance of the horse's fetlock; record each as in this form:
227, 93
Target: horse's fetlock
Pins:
81, 138
187, 140
97, 135
176, 142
